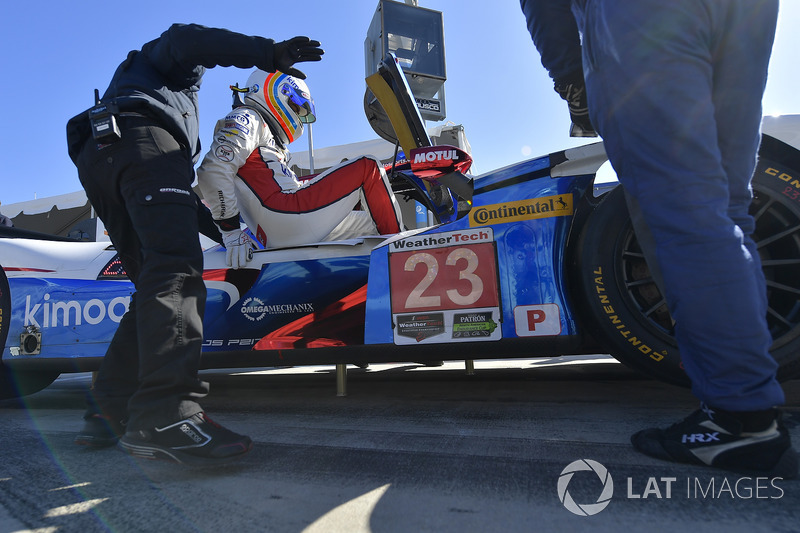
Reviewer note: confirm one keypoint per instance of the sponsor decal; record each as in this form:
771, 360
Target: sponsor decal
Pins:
783, 176
534, 208
435, 155
191, 434
51, 314
255, 309
425, 104
537, 320
224, 153
792, 189
174, 190
241, 118
439, 240
229, 342
420, 326
470, 325
616, 321
236, 128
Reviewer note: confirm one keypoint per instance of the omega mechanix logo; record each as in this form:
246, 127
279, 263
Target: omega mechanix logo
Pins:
545, 207
255, 309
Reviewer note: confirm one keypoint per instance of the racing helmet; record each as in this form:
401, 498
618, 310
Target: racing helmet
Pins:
284, 101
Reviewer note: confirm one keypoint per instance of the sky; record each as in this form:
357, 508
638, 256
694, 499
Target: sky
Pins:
56, 53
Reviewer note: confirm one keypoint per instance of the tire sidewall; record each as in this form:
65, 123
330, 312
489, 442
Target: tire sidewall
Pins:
614, 318
607, 310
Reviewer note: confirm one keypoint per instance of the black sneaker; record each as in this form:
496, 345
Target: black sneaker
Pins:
196, 440
100, 431
713, 438
575, 96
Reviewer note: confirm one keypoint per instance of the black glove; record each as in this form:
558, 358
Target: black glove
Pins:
295, 50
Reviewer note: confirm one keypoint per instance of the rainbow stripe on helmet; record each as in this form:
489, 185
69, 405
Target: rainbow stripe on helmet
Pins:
285, 118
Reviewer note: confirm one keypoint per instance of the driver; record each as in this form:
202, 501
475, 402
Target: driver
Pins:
246, 172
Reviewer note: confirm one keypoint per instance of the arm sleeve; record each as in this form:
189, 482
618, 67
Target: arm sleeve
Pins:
555, 34
235, 138
184, 51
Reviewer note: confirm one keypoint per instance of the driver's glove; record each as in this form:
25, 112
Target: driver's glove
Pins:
295, 50
239, 248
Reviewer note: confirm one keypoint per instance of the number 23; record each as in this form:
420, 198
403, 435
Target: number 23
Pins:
416, 298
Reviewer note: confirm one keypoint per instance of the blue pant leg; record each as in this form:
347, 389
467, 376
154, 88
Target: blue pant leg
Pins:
655, 74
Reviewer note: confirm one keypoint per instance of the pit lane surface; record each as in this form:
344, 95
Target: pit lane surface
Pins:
410, 449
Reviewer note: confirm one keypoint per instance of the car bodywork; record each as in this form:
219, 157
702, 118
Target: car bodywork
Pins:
503, 272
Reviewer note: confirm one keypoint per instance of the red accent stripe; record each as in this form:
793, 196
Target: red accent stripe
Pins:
216, 274
20, 269
357, 173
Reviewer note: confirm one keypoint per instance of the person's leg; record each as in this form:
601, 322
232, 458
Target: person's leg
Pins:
117, 378
156, 191
309, 213
650, 75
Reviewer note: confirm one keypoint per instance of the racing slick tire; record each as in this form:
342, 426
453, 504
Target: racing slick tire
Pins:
15, 383
623, 308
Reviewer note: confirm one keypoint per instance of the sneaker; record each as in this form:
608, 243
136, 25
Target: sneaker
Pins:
100, 431
575, 96
196, 440
714, 438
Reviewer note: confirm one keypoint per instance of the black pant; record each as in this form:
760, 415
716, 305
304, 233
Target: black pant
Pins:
140, 187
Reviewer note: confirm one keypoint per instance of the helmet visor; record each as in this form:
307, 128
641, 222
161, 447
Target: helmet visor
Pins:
300, 102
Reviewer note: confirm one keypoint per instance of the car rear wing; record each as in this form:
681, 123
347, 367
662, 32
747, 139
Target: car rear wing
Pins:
393, 114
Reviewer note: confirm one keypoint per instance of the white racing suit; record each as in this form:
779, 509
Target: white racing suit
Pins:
247, 172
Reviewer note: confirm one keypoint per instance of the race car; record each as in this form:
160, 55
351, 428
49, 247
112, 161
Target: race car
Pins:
535, 259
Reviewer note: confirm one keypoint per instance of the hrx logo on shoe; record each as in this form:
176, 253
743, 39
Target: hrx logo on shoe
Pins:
700, 437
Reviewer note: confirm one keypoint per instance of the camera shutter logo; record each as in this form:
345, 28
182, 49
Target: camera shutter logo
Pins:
585, 509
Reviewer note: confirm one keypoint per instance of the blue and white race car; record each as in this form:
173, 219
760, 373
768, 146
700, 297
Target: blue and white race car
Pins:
535, 259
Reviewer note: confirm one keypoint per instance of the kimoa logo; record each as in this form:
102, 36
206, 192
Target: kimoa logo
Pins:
585, 509
72, 312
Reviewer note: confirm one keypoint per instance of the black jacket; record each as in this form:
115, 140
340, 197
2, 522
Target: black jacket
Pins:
162, 79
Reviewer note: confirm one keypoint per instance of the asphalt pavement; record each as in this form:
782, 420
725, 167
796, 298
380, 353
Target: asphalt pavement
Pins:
521, 445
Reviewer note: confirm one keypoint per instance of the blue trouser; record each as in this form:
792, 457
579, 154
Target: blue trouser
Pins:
675, 90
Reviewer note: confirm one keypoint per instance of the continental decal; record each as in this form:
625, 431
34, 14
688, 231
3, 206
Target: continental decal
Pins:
619, 325
533, 208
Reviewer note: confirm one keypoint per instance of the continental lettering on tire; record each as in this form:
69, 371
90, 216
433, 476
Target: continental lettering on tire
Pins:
792, 189
612, 316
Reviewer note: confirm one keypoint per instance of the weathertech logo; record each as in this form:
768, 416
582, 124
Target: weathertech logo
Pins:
545, 207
